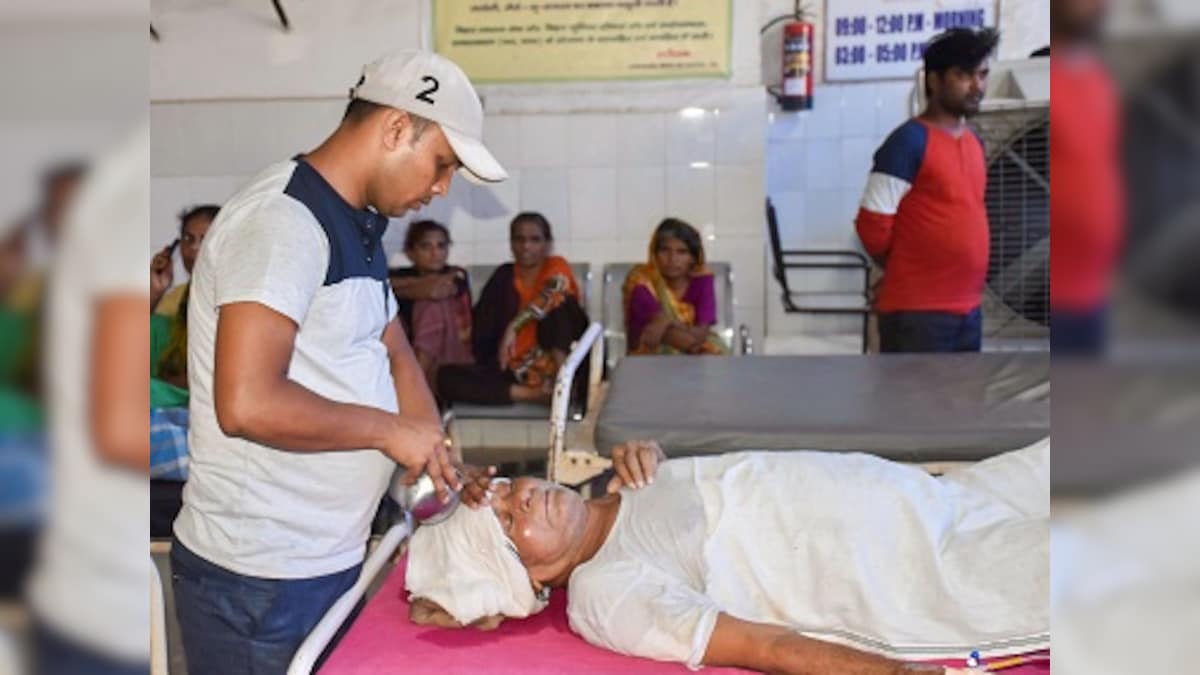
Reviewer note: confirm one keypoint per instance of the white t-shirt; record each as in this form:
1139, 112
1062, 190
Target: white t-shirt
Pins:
844, 548
93, 572
288, 241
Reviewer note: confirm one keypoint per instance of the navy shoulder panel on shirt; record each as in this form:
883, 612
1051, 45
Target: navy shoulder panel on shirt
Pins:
355, 236
903, 152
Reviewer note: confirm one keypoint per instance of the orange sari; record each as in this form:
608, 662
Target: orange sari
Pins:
554, 283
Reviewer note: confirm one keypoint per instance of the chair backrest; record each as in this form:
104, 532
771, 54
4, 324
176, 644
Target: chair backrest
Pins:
613, 308
777, 268
583, 275
480, 273
612, 311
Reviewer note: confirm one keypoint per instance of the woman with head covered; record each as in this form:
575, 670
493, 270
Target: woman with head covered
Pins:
671, 299
792, 562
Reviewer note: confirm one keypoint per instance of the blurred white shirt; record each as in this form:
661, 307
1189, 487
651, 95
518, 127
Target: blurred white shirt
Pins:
93, 573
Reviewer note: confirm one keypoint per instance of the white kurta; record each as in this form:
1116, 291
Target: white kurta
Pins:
842, 547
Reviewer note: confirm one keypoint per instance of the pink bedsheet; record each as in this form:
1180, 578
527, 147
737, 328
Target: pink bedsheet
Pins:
383, 640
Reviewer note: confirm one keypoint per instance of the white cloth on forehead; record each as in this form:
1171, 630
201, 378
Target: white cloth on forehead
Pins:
470, 568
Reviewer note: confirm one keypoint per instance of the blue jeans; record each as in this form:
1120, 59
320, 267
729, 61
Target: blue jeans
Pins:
1078, 333
54, 654
240, 625
930, 331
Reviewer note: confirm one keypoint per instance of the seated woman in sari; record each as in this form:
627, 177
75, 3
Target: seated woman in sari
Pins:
168, 348
193, 226
671, 301
168, 323
526, 318
434, 300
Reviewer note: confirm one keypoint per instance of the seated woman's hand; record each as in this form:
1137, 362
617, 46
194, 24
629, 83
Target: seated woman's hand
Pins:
442, 286
162, 274
477, 483
426, 287
506, 347
654, 331
635, 462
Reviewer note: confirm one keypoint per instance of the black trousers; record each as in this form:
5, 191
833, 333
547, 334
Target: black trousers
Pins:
486, 384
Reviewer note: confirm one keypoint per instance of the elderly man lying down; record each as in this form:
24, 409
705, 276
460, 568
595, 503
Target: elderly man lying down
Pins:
790, 562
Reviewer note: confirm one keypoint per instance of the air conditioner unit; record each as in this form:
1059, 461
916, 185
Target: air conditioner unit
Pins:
1014, 123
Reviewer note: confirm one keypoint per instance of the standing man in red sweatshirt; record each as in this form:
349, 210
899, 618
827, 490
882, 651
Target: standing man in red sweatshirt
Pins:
1087, 214
922, 216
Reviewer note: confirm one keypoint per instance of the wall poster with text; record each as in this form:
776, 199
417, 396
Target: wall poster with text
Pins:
564, 40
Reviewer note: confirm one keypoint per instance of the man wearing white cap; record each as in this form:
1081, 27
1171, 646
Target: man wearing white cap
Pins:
305, 392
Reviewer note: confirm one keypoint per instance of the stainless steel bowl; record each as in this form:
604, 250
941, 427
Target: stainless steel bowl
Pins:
420, 499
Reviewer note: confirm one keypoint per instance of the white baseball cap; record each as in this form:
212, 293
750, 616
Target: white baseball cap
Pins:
435, 88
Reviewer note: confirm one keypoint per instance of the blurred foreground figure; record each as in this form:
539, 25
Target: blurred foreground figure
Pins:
1087, 213
88, 593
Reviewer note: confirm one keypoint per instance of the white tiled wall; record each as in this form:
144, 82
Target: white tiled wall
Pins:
817, 165
604, 180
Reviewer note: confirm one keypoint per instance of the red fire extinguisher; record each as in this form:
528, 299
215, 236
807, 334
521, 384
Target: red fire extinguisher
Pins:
797, 88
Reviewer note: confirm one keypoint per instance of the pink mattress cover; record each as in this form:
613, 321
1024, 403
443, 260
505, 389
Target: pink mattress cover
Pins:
383, 640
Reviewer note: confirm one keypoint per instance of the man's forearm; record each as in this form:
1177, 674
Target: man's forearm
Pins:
289, 416
117, 373
412, 389
776, 649
415, 288
255, 399
795, 654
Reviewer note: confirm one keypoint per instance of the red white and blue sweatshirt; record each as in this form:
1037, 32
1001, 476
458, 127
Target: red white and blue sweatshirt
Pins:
923, 213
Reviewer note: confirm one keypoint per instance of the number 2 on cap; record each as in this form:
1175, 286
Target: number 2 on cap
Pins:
425, 95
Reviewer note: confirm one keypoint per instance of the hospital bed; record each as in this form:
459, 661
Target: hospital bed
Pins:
382, 639
974, 406
907, 407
